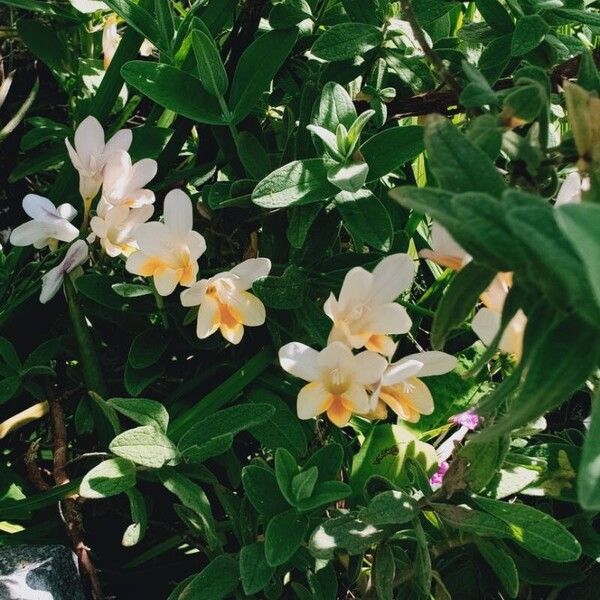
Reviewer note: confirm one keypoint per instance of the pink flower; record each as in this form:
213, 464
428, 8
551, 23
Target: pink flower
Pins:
438, 477
468, 419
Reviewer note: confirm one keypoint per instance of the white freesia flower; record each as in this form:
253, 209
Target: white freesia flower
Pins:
337, 379
401, 390
90, 155
225, 303
88, 6
76, 255
365, 313
571, 189
49, 224
124, 182
147, 48
117, 228
110, 39
445, 250
169, 251
486, 322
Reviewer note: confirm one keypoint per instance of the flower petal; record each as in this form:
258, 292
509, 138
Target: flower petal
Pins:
194, 295
232, 332
485, 324
337, 356
402, 370
419, 395
300, 360
392, 276
208, 317
196, 244
355, 289
178, 211
337, 413
313, 399
387, 318
39, 208
570, 190
433, 363
51, 283
89, 139
368, 367
142, 172
356, 399
249, 308
66, 211
166, 280
250, 270
120, 141
31, 232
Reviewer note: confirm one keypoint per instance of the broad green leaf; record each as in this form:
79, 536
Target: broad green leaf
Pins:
301, 219
174, 89
9, 386
502, 564
344, 533
303, 484
391, 148
423, 569
253, 155
147, 348
256, 68
254, 569
9, 355
328, 459
137, 380
347, 40
495, 15
536, 531
485, 460
285, 292
146, 446
164, 18
472, 521
283, 536
334, 106
528, 34
588, 477
139, 19
297, 183
230, 420
459, 165
216, 581
109, 478
389, 508
46, 8
262, 490
324, 493
366, 218
286, 468
349, 176
202, 451
142, 411
139, 516
211, 71
44, 43
383, 572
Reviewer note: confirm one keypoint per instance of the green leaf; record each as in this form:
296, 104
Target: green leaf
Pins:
588, 477
349, 176
45, 44
139, 515
142, 411
502, 564
256, 68
423, 572
192, 496
137, 380
202, 451
283, 536
253, 155
581, 225
459, 165
215, 582
147, 348
526, 102
174, 89
495, 15
366, 218
485, 460
297, 183
383, 572
328, 459
230, 420
109, 478
528, 34
166, 27
139, 19
335, 106
301, 219
389, 508
458, 301
286, 468
146, 446
254, 569
326, 492
45, 8
303, 484
9, 355
211, 71
283, 429
344, 533
347, 40
285, 292
536, 531
391, 148
9, 386
262, 490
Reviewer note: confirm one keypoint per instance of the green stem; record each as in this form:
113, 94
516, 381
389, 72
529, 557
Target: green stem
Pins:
90, 362
160, 304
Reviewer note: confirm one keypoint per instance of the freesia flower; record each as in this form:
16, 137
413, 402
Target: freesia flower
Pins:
49, 224
146, 48
571, 189
337, 379
445, 250
225, 303
487, 320
124, 181
110, 39
51, 282
365, 313
90, 155
401, 390
169, 251
117, 228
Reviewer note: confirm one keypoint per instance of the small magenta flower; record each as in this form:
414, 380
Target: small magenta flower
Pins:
469, 419
438, 477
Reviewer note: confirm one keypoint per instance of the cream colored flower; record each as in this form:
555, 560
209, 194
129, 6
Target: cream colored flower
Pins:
366, 313
110, 39
571, 189
445, 251
338, 379
401, 390
117, 228
169, 251
51, 282
225, 302
49, 224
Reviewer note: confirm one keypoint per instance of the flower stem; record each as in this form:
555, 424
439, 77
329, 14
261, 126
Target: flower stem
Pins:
90, 362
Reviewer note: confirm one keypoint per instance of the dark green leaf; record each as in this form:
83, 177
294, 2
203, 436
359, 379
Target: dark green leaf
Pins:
347, 40
283, 536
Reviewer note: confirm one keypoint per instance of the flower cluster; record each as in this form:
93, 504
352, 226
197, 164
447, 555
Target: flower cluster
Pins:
365, 315
166, 251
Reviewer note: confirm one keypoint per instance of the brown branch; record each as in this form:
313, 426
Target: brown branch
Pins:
71, 508
33, 471
446, 101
